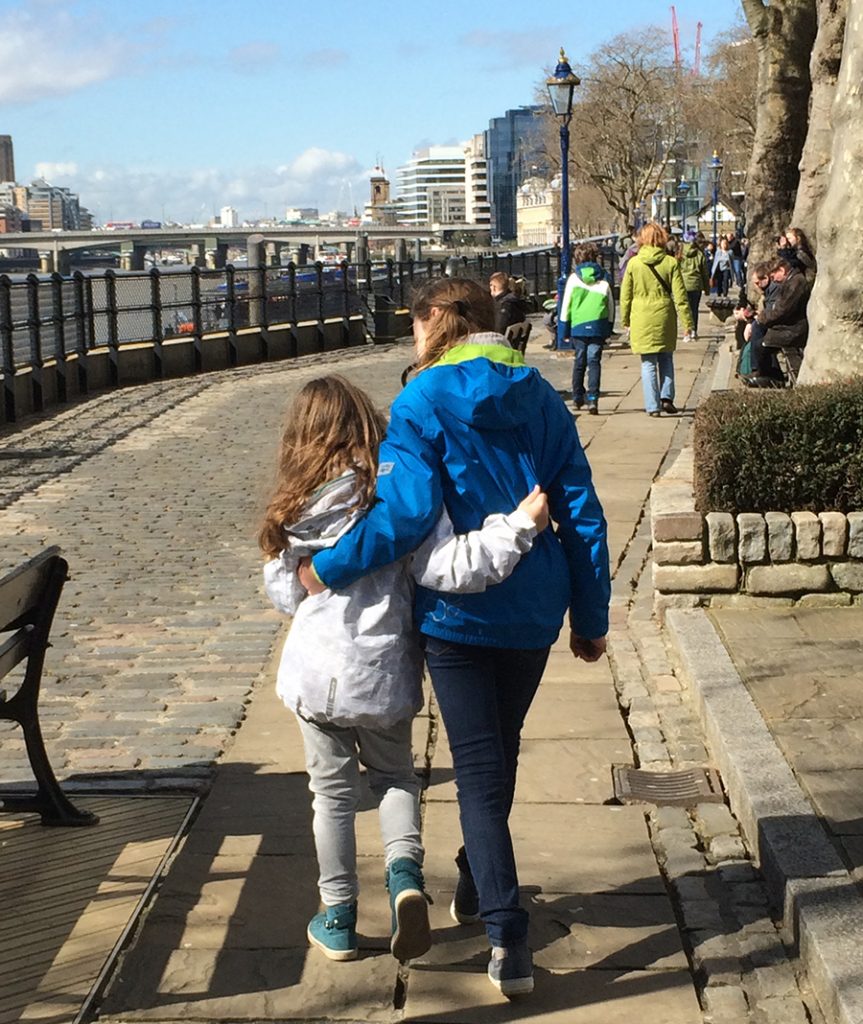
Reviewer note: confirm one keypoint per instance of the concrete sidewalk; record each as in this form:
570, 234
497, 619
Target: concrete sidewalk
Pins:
165, 643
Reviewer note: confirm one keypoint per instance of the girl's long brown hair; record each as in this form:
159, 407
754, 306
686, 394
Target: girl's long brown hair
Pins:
465, 307
331, 426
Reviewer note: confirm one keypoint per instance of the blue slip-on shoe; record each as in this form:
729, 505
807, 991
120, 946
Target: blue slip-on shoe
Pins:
510, 969
334, 931
409, 905
464, 908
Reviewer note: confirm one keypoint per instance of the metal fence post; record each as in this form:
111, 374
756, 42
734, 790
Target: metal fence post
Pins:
8, 351
231, 312
197, 325
34, 331
346, 305
78, 293
292, 309
58, 322
90, 308
157, 327
113, 326
319, 288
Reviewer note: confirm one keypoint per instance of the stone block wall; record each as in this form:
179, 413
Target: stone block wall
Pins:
718, 558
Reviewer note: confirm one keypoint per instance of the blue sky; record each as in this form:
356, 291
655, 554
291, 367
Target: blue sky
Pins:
170, 109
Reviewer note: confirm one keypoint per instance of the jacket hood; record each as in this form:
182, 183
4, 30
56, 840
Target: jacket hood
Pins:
482, 382
691, 249
590, 272
329, 512
650, 254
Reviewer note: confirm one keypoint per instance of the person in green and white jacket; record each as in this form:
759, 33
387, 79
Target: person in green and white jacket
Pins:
587, 318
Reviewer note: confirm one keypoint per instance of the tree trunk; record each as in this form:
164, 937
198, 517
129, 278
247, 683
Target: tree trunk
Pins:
784, 32
835, 346
823, 70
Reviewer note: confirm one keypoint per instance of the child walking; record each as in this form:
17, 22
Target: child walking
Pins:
351, 667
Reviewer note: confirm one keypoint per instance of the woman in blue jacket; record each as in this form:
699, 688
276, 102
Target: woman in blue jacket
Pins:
473, 433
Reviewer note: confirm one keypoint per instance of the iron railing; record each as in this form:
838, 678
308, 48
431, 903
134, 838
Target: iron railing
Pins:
50, 318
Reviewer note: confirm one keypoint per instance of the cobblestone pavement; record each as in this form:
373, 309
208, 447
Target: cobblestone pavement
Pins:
162, 633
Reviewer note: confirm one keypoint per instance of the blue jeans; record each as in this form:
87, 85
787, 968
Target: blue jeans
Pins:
737, 270
661, 363
588, 353
484, 694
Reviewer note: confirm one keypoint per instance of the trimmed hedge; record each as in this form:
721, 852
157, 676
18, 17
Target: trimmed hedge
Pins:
783, 451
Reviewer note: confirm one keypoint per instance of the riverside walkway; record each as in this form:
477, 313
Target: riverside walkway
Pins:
189, 901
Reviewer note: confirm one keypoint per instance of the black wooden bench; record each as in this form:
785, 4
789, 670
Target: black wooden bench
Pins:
28, 599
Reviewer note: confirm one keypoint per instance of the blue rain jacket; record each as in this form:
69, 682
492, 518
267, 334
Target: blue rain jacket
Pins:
473, 434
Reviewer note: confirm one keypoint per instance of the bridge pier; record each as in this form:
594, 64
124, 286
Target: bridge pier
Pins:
216, 256
273, 250
302, 259
400, 250
46, 263
418, 249
132, 256
197, 254
362, 248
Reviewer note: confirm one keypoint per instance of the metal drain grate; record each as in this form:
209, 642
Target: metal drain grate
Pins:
682, 788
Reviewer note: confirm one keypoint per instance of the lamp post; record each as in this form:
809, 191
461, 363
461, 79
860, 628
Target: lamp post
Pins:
716, 171
561, 86
682, 193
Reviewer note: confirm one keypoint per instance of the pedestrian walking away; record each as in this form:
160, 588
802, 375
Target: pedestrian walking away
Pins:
696, 277
351, 666
475, 427
652, 297
587, 313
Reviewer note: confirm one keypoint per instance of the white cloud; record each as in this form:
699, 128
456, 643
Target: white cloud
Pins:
47, 51
316, 177
254, 58
537, 48
56, 172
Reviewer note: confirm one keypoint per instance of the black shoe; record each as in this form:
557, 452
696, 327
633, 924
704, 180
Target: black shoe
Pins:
464, 908
578, 402
593, 407
655, 413
669, 407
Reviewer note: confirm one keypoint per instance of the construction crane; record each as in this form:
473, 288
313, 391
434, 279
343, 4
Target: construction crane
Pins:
675, 35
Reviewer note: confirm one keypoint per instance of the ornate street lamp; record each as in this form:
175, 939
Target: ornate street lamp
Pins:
561, 86
716, 171
682, 193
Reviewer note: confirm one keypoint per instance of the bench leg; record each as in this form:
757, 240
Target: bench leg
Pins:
50, 801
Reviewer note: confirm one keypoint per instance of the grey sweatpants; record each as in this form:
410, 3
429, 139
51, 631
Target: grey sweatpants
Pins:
333, 759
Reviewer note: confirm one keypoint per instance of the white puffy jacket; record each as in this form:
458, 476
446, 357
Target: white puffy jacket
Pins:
352, 656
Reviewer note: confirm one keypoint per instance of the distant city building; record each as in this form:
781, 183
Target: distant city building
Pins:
513, 149
228, 217
295, 214
477, 207
11, 219
7, 159
431, 187
57, 208
537, 210
381, 208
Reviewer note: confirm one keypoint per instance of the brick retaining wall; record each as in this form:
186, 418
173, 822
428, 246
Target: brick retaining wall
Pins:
718, 558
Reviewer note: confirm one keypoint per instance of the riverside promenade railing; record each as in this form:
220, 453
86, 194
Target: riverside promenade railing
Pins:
72, 325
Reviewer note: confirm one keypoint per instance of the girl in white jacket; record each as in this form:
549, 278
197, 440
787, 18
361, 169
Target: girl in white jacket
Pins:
351, 667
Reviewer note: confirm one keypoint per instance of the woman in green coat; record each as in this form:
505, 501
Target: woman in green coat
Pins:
651, 296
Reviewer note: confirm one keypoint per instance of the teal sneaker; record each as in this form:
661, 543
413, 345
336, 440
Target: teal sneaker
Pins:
409, 905
511, 969
334, 932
